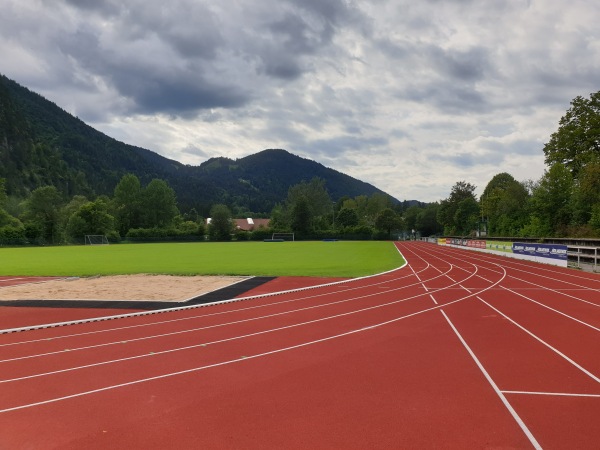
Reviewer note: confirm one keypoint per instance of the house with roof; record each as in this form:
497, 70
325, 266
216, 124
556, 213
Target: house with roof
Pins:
248, 224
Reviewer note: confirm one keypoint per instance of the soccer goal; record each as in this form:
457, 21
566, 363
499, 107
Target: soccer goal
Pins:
96, 239
282, 237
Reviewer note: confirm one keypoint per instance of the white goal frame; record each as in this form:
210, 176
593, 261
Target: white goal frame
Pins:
96, 239
284, 236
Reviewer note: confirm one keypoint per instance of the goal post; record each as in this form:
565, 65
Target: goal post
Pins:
282, 237
96, 239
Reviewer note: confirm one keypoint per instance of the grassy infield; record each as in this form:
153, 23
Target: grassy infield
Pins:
327, 259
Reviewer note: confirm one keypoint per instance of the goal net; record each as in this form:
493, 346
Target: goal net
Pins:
96, 239
282, 237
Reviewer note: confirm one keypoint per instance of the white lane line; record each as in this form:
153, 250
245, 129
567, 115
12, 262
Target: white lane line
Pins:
120, 342
508, 406
532, 268
560, 292
459, 285
241, 359
558, 352
558, 394
552, 309
419, 278
167, 375
245, 358
238, 299
425, 287
159, 322
190, 330
226, 312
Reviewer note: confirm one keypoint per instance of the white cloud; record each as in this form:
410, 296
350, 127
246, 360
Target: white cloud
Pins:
409, 96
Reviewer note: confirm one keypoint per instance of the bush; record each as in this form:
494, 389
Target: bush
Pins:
241, 235
160, 235
261, 234
11, 235
380, 236
113, 237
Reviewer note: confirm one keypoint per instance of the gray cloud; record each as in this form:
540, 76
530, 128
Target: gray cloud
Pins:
340, 145
352, 83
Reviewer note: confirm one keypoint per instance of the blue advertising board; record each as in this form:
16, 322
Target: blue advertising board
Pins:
552, 251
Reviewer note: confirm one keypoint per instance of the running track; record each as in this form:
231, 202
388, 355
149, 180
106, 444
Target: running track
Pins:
455, 350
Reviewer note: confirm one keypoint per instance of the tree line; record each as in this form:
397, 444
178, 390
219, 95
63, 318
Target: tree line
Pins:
565, 201
47, 217
144, 213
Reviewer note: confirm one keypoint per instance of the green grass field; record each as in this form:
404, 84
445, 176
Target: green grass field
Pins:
324, 259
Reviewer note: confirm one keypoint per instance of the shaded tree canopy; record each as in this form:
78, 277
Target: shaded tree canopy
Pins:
577, 140
388, 220
503, 204
221, 225
159, 204
301, 216
458, 208
551, 199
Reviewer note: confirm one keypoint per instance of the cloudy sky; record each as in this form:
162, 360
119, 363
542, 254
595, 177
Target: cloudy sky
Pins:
410, 96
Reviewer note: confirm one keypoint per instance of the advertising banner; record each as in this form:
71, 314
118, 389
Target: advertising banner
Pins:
554, 254
500, 246
551, 251
476, 243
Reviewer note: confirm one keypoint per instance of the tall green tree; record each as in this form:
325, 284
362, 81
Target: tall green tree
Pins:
301, 217
551, 202
314, 192
91, 218
347, 217
376, 204
504, 204
577, 140
586, 192
305, 201
5, 217
159, 204
3, 196
127, 204
221, 223
410, 217
41, 215
466, 216
462, 195
388, 220
426, 221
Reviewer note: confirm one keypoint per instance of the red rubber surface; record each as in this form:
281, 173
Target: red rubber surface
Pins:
456, 350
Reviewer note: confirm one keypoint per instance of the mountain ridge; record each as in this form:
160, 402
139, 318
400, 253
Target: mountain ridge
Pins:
42, 144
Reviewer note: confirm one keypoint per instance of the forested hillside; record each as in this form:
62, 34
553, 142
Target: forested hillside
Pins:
41, 144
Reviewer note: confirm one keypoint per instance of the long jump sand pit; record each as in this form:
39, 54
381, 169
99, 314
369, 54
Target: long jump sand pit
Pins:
166, 288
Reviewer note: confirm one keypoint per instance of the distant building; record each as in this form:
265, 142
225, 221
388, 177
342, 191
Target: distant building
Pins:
248, 224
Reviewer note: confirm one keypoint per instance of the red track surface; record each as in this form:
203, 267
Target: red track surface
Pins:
456, 350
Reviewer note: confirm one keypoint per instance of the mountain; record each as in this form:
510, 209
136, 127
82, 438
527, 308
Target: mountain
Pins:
41, 144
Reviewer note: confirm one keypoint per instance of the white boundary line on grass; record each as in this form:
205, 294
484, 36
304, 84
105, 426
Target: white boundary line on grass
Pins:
183, 308
245, 358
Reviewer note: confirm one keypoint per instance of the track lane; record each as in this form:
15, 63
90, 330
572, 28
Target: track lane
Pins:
296, 402
558, 381
407, 370
343, 322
